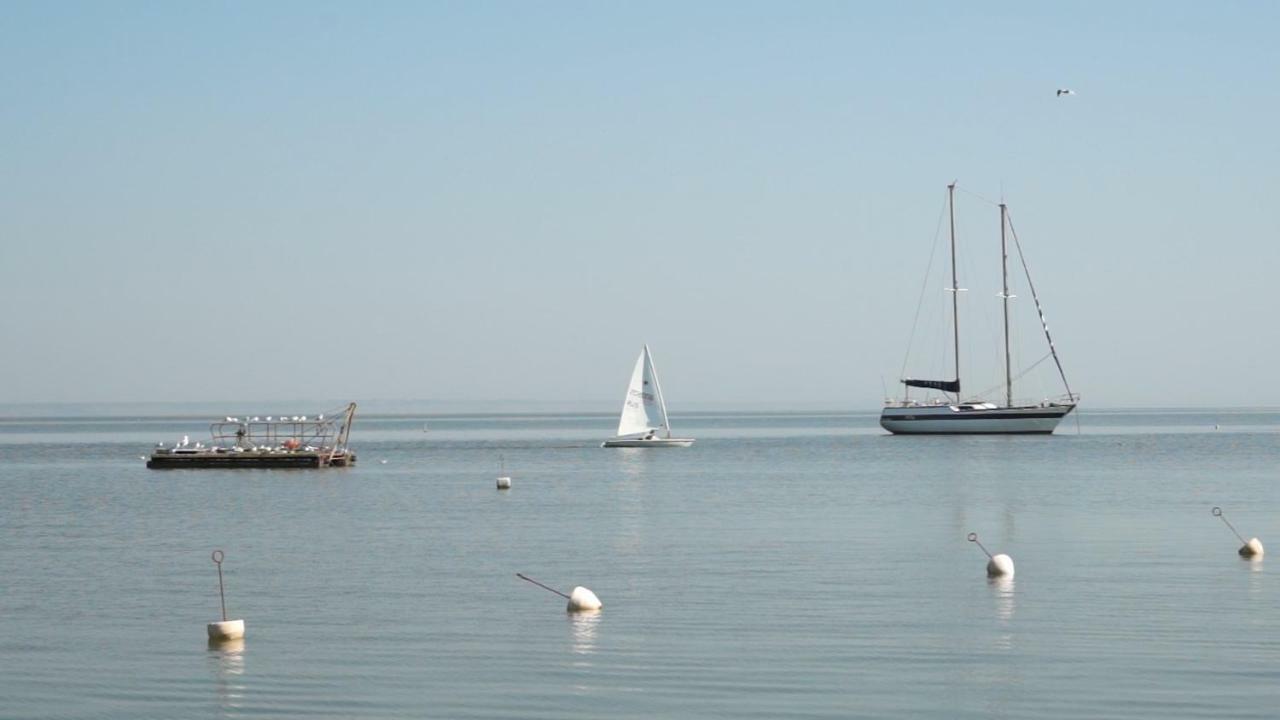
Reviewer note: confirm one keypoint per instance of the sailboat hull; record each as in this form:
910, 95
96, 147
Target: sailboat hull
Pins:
642, 443
961, 420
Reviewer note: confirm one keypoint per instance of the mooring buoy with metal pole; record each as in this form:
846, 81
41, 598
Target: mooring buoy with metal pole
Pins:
226, 629
997, 565
580, 600
1252, 547
504, 480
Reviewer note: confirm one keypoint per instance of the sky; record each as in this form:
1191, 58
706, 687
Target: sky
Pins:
498, 203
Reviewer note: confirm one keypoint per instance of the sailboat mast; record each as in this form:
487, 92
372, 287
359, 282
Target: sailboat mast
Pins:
1004, 295
955, 283
657, 387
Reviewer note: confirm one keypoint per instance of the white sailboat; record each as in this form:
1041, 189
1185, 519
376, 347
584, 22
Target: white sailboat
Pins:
644, 412
952, 415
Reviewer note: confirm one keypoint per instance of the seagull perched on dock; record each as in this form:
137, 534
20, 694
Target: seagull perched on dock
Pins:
1065, 91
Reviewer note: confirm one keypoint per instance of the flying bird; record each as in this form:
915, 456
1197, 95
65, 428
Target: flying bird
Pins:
1065, 91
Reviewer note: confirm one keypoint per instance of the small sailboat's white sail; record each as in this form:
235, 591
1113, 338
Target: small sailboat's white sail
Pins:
643, 422
642, 408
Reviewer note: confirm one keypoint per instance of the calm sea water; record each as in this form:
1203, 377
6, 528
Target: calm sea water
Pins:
785, 566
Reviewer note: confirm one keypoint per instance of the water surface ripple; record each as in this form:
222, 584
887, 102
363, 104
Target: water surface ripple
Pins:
795, 565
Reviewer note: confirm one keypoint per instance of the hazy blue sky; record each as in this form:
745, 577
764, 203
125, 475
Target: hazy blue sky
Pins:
502, 201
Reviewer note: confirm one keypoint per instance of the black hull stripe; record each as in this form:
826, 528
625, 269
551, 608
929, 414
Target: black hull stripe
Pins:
967, 416
971, 432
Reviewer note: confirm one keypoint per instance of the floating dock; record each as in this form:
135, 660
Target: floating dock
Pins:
265, 442
222, 458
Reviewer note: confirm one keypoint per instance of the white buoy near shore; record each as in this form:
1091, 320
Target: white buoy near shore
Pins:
997, 565
580, 600
1000, 566
583, 600
504, 480
226, 629
1252, 548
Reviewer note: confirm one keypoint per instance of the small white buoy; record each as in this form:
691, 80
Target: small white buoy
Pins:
1000, 566
226, 629
1252, 547
581, 600
997, 565
504, 481
384, 462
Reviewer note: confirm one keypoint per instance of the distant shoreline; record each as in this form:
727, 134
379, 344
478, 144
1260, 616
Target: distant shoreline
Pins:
204, 410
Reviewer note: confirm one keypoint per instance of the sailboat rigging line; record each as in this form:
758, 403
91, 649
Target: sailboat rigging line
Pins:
1017, 377
923, 287
1032, 287
973, 194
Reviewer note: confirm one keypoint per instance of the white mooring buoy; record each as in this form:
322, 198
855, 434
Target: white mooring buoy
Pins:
997, 565
580, 600
1252, 547
227, 629
583, 599
504, 480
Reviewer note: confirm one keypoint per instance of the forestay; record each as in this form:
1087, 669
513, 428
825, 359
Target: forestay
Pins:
642, 408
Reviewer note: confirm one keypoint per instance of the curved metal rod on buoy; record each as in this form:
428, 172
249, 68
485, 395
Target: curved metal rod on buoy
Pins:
1217, 512
217, 560
973, 538
526, 578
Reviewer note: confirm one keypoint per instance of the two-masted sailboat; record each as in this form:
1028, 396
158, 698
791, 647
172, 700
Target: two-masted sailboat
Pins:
643, 422
953, 415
